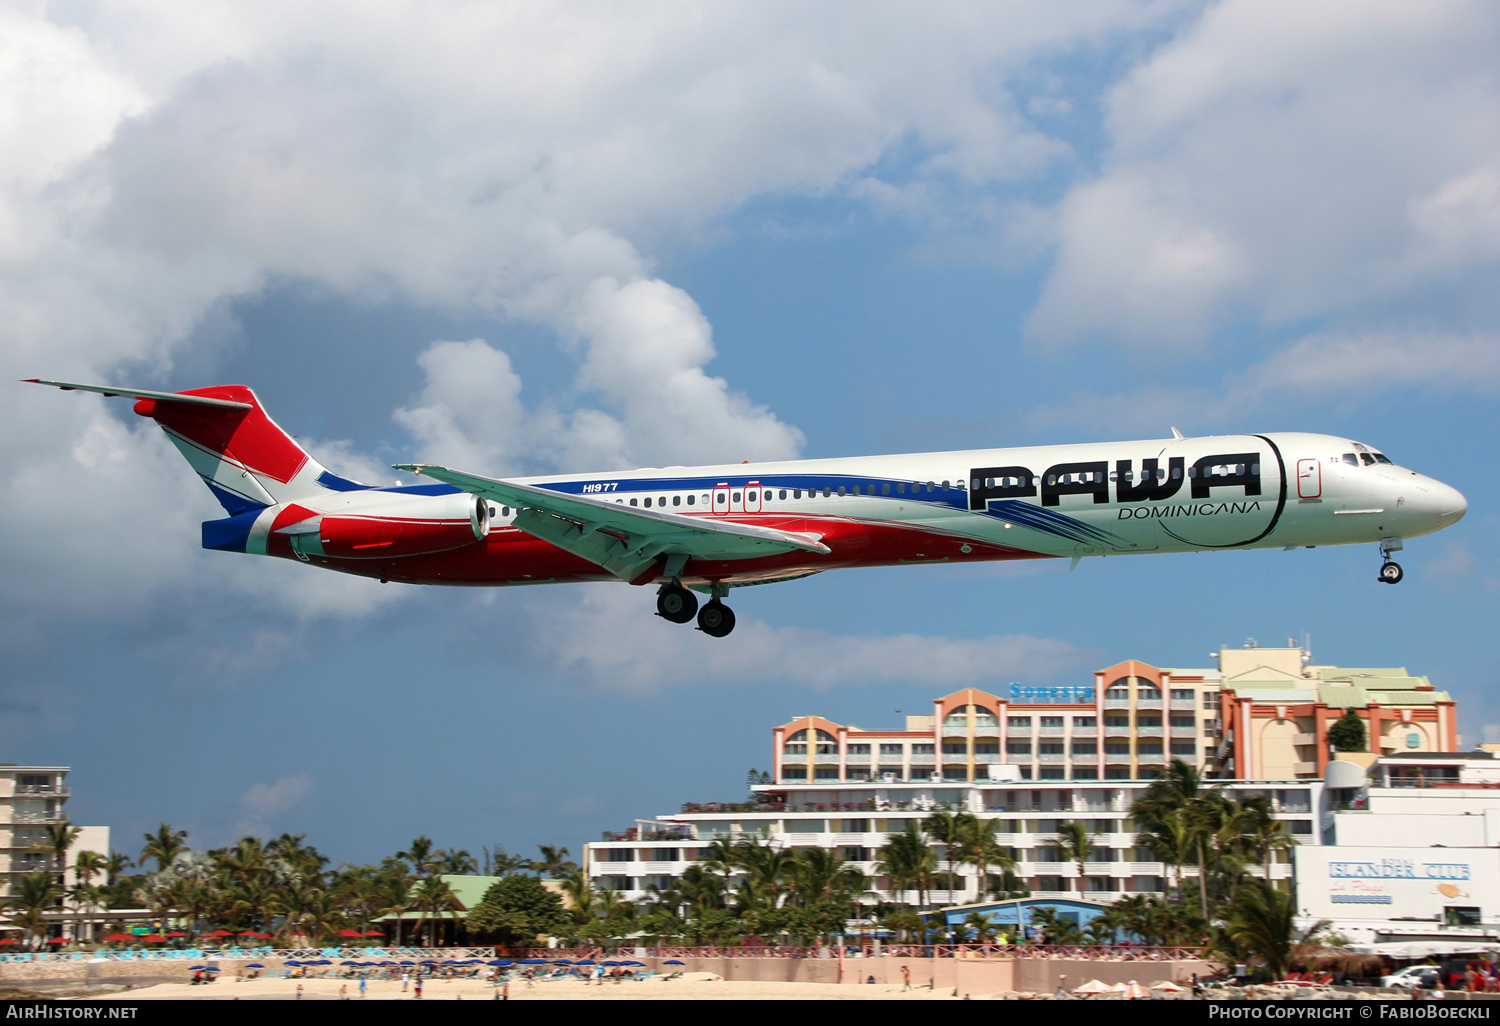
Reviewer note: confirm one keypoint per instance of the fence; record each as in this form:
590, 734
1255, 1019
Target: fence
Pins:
178, 954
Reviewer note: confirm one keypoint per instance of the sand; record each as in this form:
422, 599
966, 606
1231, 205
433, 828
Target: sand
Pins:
690, 987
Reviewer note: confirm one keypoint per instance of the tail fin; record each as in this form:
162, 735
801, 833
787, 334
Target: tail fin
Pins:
244, 457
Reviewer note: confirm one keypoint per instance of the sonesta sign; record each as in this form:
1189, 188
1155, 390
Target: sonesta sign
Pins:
1066, 693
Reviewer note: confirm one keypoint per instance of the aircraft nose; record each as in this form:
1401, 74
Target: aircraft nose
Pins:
1451, 505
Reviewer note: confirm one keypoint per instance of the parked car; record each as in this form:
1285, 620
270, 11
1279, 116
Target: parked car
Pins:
1425, 976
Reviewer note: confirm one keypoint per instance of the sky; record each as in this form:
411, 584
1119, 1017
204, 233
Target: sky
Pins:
564, 237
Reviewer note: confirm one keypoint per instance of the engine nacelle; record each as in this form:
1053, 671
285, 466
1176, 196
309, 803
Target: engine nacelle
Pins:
413, 529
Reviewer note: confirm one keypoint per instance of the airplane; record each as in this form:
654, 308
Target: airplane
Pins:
709, 529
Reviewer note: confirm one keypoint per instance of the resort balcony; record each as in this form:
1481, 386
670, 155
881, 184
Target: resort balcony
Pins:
1117, 703
1151, 759
1052, 731
658, 868
924, 760
39, 817
858, 760
954, 732
831, 759
1117, 758
60, 790
1118, 731
1085, 731
1304, 739
1018, 732
1145, 868
1184, 705
1191, 732
1051, 759
1051, 869
1086, 758
988, 759
1148, 730
1148, 703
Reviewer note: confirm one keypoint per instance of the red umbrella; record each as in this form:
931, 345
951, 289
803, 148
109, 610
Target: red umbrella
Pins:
220, 933
8, 940
57, 940
351, 933
110, 939
375, 933
176, 933
154, 938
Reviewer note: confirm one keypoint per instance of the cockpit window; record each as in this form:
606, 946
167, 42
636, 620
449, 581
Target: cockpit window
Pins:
1351, 459
1369, 460
1380, 458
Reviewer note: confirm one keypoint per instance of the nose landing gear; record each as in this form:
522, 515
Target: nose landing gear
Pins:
1390, 571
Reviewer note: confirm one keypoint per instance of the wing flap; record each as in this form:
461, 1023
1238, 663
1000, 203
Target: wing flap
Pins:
625, 540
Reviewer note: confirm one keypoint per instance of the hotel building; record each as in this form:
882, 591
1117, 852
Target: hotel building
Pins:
1031, 758
31, 799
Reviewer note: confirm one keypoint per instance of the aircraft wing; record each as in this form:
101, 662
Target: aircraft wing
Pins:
625, 540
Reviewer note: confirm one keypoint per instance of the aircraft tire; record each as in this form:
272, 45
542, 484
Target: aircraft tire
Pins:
676, 604
716, 619
1391, 573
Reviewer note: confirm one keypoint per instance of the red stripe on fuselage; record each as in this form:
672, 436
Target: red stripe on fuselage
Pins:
509, 556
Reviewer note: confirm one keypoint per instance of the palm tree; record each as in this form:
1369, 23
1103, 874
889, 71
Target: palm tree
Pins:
59, 838
419, 854
164, 845
36, 895
908, 861
457, 862
952, 831
979, 849
431, 898
553, 861
1077, 844
1260, 920
1269, 834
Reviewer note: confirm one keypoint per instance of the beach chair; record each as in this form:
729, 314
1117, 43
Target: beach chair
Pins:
644, 974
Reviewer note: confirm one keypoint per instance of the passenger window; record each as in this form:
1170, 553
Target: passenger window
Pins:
841, 490
505, 511
648, 502
721, 499
677, 500
827, 492
690, 500
632, 502
900, 488
662, 501
781, 494
736, 496
750, 496
945, 486
796, 493
885, 489
1176, 473
1351, 459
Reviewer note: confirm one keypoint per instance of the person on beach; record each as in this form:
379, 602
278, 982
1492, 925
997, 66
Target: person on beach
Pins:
906, 977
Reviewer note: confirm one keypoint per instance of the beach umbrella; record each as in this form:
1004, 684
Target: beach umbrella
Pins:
1092, 987
586, 961
351, 933
1134, 991
677, 961
1168, 986
57, 940
254, 965
210, 968
533, 961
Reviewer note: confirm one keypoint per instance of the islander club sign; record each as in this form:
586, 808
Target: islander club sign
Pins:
1068, 693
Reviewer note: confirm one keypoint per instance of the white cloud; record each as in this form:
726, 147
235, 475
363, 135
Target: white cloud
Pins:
165, 158
263, 802
1281, 160
607, 639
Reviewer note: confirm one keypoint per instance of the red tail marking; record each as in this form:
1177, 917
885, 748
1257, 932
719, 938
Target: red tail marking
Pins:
245, 436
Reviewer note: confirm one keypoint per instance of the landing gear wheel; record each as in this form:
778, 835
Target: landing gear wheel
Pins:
1390, 573
716, 619
676, 603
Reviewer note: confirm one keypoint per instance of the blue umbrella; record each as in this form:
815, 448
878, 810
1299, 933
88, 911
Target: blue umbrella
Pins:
674, 961
533, 961
586, 961
254, 965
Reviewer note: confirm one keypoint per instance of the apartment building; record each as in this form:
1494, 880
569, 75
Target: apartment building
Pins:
31, 799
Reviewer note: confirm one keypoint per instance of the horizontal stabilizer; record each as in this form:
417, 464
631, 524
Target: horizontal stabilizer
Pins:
137, 393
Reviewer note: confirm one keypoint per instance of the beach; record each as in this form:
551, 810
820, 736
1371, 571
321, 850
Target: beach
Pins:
690, 987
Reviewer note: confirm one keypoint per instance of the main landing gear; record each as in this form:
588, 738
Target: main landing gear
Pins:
1390, 571
676, 603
